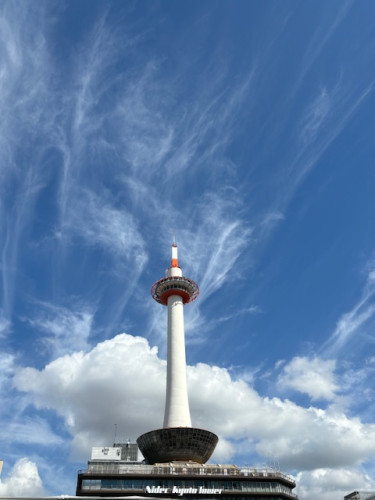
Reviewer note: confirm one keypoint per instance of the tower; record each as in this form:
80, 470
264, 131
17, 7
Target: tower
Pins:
177, 440
174, 291
176, 455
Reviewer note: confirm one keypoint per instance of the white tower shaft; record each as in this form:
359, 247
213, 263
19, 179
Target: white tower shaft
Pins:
174, 291
177, 413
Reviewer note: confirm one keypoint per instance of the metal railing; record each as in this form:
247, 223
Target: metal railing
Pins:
185, 469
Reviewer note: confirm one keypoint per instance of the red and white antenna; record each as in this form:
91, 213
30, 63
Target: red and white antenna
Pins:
174, 283
174, 261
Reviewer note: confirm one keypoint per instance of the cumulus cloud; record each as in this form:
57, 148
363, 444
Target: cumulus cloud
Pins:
122, 381
23, 481
314, 377
328, 484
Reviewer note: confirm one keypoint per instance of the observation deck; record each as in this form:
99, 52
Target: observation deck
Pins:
186, 288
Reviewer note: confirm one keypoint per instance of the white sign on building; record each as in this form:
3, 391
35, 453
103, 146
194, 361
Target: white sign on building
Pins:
105, 453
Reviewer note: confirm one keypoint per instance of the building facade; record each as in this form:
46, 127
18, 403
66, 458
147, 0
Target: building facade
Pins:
108, 478
360, 495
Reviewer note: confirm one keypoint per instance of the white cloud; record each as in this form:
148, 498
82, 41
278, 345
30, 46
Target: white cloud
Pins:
23, 481
7, 365
323, 32
66, 331
27, 430
253, 309
5, 324
210, 245
354, 321
315, 116
115, 230
314, 377
146, 128
329, 484
28, 117
122, 381
320, 123
212, 248
102, 224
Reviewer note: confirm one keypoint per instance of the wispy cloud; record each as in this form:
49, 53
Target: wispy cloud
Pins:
212, 247
253, 309
322, 34
7, 366
315, 117
26, 87
30, 431
311, 129
100, 223
354, 321
63, 330
324, 118
134, 120
5, 325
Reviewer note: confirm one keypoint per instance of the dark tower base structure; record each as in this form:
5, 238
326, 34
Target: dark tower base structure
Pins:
175, 456
177, 443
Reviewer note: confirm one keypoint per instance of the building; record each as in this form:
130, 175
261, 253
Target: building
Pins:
183, 479
360, 495
176, 455
129, 451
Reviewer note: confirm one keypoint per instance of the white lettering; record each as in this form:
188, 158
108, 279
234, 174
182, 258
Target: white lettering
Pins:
184, 491
176, 490
156, 489
209, 491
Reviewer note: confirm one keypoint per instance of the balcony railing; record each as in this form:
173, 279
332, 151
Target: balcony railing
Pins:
186, 469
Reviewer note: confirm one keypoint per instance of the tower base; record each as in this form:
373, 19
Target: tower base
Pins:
177, 444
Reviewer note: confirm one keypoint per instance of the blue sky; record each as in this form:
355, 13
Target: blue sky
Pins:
244, 128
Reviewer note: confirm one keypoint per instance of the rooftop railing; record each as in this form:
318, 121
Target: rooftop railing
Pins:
185, 469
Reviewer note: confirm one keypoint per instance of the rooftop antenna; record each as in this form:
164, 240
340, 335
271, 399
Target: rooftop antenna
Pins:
115, 433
